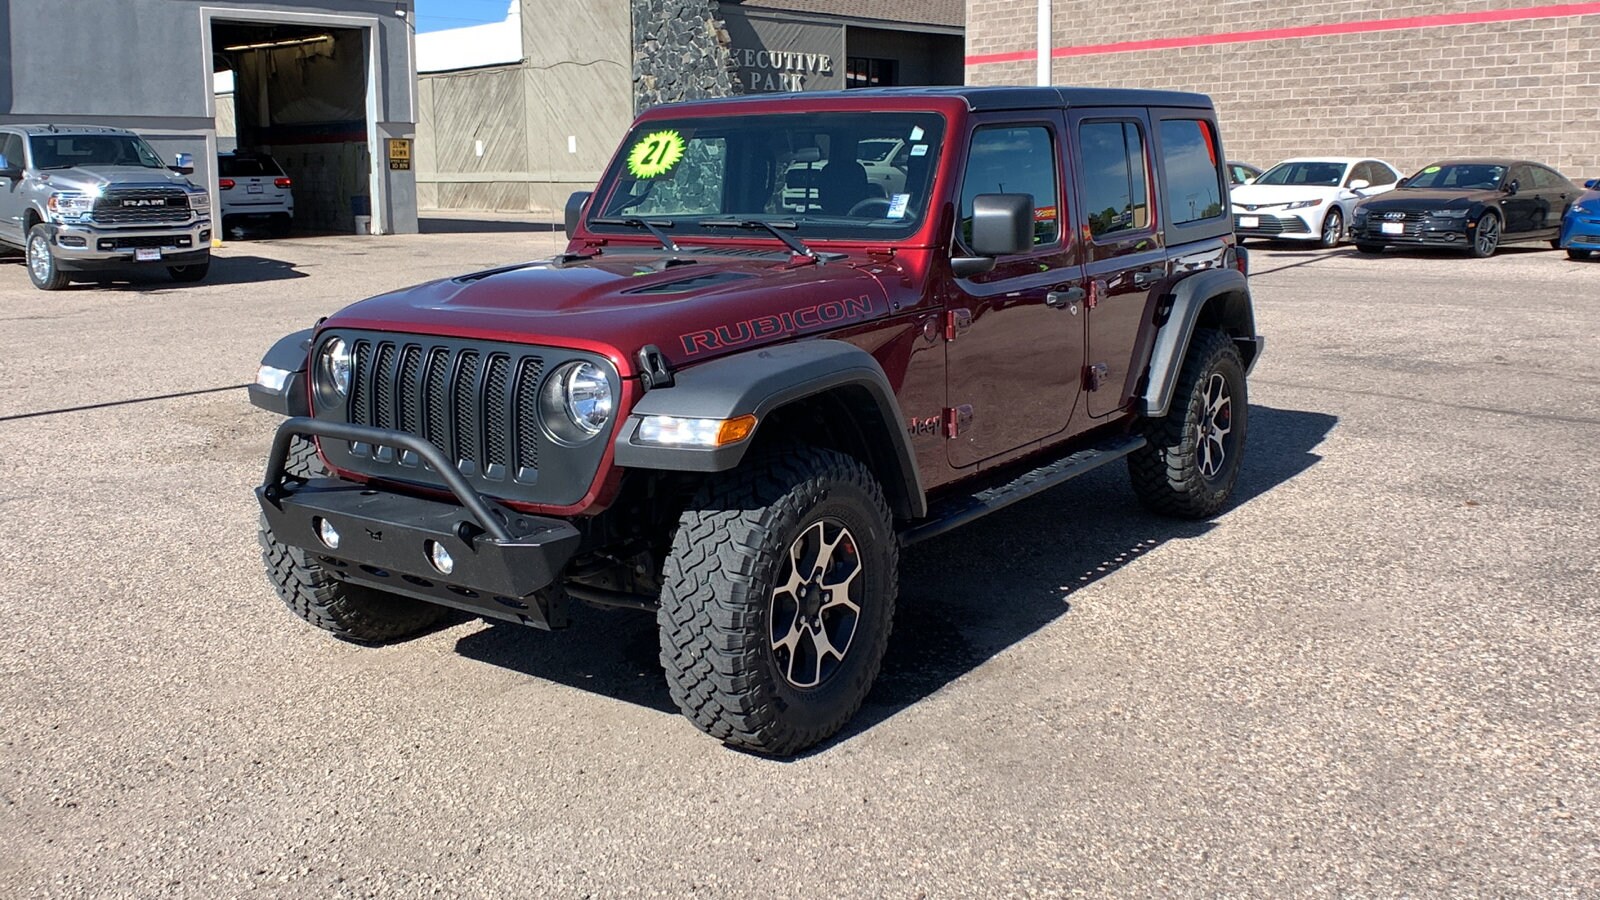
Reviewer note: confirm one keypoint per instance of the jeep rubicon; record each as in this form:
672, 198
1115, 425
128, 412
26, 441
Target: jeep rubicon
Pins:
732, 403
80, 199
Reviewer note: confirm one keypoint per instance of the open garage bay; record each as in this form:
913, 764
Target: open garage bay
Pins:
1376, 675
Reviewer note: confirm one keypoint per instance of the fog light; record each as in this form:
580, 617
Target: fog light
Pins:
440, 557
327, 533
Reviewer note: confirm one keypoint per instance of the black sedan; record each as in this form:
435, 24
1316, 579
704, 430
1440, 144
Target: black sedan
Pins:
1473, 205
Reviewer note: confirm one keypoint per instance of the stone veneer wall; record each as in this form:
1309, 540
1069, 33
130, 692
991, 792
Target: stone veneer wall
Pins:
680, 52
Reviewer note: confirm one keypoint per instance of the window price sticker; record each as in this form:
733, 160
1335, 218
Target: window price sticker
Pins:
655, 154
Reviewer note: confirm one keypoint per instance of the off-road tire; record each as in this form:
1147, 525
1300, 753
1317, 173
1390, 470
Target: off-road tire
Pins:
303, 461
190, 274
717, 641
1167, 473
43, 271
1575, 253
348, 611
1372, 249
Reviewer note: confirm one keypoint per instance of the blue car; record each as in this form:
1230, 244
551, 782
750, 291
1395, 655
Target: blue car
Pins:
1580, 226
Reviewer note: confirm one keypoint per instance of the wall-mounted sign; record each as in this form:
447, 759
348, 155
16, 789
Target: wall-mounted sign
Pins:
784, 53
399, 154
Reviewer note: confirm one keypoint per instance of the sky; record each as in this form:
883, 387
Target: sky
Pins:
433, 15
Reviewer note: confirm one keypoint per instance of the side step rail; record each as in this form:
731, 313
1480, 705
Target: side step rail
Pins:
957, 511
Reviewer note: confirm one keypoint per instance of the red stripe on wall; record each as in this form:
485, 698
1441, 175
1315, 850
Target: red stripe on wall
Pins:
1303, 31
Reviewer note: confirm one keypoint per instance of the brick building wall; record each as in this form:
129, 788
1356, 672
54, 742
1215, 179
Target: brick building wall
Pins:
1404, 80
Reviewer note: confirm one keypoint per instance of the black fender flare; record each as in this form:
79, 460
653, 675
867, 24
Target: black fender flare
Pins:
1178, 317
760, 382
289, 354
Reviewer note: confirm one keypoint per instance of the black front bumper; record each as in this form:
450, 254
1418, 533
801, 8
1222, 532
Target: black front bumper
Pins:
503, 561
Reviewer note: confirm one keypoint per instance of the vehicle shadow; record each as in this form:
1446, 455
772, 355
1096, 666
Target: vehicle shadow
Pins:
964, 597
225, 270
441, 225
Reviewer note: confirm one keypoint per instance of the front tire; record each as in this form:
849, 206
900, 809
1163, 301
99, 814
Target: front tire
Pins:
190, 274
1369, 249
1190, 464
1486, 240
43, 270
777, 600
1575, 253
1332, 229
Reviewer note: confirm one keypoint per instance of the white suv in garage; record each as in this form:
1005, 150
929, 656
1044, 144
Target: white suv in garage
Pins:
1308, 199
255, 191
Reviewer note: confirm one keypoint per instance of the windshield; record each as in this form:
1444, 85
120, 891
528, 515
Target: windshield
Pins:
801, 168
61, 151
1318, 174
1473, 176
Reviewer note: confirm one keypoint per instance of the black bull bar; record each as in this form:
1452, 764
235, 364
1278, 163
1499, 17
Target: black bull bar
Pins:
502, 560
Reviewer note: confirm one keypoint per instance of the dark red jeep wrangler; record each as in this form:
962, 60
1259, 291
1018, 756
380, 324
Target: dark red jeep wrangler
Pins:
789, 336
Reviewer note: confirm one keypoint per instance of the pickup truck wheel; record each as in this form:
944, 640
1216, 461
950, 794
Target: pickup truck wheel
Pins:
352, 612
43, 271
1191, 462
190, 274
778, 598
303, 461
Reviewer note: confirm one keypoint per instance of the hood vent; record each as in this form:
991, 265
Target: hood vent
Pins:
697, 283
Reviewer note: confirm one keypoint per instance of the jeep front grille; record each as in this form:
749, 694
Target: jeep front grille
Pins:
113, 207
462, 404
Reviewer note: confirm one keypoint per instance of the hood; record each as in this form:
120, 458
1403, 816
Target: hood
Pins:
83, 178
692, 307
1264, 195
1431, 198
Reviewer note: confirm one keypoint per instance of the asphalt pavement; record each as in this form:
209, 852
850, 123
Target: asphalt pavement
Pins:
1376, 675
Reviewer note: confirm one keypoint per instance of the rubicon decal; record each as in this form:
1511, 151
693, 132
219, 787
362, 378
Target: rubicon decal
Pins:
744, 332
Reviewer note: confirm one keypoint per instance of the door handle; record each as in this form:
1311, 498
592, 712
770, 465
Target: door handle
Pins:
1063, 299
1144, 278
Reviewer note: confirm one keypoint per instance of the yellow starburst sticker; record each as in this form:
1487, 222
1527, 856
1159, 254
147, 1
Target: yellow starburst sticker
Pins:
655, 154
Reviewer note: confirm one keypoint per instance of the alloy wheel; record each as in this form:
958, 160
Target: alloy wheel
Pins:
1488, 237
39, 261
1332, 224
1216, 423
816, 606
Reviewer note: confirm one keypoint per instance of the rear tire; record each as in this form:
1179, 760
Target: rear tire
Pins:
43, 270
774, 567
281, 226
190, 274
1190, 464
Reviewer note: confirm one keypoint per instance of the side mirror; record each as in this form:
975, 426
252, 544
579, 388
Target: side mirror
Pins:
1250, 180
575, 211
1513, 186
1402, 182
1360, 184
8, 169
183, 164
1002, 225
1592, 184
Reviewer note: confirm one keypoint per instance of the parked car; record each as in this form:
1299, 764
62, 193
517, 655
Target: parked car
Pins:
733, 418
1308, 199
1580, 225
83, 200
1472, 205
884, 160
254, 190
1242, 173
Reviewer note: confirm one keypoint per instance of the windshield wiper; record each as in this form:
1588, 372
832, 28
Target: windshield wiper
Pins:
654, 227
777, 228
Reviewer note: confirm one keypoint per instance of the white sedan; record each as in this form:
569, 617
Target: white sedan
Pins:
1308, 199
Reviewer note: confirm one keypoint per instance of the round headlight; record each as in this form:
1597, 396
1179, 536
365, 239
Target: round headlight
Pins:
577, 402
334, 365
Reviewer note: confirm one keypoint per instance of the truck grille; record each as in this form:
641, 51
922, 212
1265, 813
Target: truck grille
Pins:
128, 206
480, 408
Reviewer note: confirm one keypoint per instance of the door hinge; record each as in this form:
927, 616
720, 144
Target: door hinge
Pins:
956, 419
956, 321
1094, 377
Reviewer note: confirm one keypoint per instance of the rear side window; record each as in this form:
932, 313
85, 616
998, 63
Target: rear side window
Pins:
1015, 160
1116, 192
248, 167
1544, 178
1189, 159
11, 149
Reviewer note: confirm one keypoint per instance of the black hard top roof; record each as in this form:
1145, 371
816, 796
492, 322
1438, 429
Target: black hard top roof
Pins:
1000, 98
